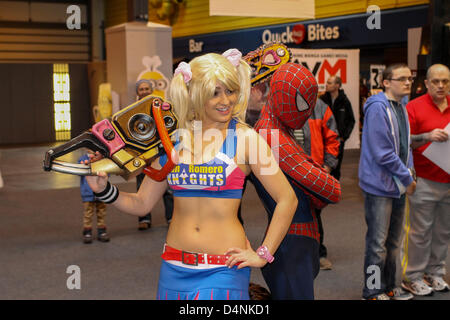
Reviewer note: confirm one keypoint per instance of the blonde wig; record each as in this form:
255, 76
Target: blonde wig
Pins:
189, 98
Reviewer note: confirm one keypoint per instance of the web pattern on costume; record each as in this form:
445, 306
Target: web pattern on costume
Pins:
289, 84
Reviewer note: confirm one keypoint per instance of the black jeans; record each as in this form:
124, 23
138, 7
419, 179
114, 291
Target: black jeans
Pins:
322, 248
336, 172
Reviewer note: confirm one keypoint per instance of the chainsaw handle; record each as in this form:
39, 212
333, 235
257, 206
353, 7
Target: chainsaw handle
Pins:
86, 139
161, 174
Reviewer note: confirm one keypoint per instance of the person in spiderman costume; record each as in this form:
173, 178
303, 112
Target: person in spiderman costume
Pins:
292, 97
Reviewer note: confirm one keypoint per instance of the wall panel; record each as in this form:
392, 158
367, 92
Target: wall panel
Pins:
26, 108
36, 31
44, 45
115, 12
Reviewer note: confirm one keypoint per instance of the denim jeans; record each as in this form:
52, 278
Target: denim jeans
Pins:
384, 218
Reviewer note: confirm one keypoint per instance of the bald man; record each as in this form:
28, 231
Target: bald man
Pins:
144, 88
428, 232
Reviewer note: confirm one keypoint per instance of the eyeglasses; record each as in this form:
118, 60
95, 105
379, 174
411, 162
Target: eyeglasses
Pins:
403, 79
436, 82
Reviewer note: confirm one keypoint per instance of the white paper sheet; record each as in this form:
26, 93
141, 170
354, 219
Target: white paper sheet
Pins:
439, 152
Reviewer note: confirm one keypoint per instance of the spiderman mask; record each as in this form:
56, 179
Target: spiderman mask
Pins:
293, 95
291, 100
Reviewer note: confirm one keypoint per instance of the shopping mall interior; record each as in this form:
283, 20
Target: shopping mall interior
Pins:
66, 66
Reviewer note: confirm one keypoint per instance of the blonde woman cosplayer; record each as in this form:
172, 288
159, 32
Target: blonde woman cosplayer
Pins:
189, 98
207, 254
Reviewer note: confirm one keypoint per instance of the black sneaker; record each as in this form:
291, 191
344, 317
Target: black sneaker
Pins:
102, 236
87, 236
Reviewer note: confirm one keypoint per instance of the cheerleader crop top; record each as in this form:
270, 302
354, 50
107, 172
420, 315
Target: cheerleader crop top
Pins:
220, 177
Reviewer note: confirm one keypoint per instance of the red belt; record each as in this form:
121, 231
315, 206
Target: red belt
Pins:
192, 258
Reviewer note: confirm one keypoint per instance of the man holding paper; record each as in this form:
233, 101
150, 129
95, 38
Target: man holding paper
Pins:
428, 226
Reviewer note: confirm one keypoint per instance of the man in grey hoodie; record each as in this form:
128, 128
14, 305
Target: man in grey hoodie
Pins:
385, 174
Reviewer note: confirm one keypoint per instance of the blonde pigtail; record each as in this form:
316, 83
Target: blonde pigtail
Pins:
244, 72
179, 96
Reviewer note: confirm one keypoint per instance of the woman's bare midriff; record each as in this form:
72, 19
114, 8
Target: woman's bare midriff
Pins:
205, 225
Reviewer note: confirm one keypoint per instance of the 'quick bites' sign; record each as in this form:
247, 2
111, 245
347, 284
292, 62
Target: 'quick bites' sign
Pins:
315, 32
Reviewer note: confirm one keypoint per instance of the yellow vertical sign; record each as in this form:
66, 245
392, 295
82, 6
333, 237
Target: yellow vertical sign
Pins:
61, 101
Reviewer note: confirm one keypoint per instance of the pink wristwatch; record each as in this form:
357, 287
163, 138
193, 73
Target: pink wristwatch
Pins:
264, 253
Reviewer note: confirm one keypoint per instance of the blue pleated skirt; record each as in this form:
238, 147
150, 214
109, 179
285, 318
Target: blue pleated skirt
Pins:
221, 283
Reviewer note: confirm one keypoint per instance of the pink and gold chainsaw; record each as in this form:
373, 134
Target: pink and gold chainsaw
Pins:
129, 142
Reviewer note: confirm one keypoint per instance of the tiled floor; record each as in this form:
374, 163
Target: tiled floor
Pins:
40, 237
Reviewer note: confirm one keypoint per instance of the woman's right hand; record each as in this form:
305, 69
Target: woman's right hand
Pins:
98, 181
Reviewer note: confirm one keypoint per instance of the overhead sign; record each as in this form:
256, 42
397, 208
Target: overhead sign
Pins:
348, 31
298, 33
301, 9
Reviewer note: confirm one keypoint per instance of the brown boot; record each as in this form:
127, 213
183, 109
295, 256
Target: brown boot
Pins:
87, 235
102, 236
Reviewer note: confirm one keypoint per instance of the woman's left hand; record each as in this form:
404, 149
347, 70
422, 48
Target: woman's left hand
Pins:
246, 257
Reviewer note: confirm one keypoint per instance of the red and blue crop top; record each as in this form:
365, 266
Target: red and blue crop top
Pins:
220, 177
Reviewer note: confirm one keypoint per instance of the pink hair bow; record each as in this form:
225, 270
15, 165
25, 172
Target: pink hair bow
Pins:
234, 55
185, 69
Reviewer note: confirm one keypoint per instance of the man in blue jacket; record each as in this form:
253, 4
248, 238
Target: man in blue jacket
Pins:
385, 174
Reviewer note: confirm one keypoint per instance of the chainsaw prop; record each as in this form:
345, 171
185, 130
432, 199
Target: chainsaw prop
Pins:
265, 60
133, 138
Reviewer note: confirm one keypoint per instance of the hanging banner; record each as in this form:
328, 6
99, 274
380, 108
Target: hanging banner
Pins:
344, 63
302, 9
376, 76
